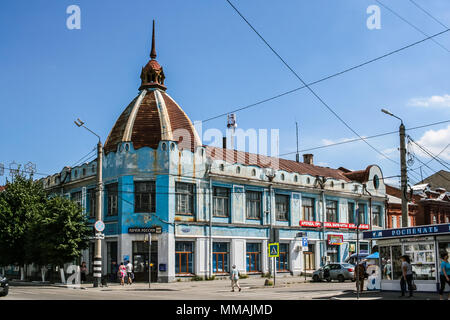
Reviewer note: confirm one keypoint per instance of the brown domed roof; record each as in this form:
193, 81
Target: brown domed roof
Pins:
151, 117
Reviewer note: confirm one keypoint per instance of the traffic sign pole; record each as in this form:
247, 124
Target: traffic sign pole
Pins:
149, 259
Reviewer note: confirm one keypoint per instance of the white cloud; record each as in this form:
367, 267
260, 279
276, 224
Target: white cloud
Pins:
388, 152
433, 101
328, 142
434, 141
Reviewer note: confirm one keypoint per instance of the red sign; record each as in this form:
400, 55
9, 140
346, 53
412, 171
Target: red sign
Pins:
335, 239
336, 225
313, 224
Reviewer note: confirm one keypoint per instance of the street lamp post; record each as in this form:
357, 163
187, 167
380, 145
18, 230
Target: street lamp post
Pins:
97, 269
404, 174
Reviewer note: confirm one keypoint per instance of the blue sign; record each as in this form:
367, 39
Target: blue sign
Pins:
304, 242
408, 232
162, 267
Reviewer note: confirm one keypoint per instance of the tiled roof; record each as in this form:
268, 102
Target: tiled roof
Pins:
262, 161
151, 117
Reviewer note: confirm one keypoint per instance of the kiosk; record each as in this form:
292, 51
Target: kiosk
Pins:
423, 244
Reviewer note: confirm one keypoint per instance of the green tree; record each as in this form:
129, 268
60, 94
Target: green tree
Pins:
59, 234
21, 203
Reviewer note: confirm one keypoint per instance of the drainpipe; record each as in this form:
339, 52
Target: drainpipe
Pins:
324, 242
370, 213
210, 226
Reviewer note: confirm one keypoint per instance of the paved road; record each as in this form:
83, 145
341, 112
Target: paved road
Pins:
253, 289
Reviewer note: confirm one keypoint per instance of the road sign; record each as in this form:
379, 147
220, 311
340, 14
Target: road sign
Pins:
100, 236
274, 249
304, 242
99, 226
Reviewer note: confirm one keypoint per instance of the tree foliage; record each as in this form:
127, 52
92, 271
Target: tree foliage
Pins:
35, 228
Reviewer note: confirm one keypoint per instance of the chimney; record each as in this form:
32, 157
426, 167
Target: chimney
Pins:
308, 158
224, 142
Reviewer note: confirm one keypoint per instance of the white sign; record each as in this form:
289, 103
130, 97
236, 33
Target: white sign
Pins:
100, 236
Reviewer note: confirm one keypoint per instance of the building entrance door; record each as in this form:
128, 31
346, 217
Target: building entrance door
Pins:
140, 261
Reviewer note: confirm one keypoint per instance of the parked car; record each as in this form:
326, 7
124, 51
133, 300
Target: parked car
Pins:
4, 286
335, 271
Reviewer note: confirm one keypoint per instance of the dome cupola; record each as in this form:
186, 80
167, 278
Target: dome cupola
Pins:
152, 75
153, 115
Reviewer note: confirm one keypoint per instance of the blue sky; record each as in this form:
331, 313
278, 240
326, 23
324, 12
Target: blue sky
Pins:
214, 63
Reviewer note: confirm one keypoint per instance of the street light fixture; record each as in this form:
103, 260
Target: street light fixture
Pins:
404, 177
99, 225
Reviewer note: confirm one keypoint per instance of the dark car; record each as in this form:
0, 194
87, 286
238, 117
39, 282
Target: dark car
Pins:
4, 286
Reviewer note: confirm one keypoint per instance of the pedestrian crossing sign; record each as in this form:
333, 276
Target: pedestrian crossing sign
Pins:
274, 249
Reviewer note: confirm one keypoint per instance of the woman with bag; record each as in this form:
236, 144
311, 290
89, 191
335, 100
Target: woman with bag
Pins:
122, 273
407, 276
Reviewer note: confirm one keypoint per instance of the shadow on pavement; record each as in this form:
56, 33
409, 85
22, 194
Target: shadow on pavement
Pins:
377, 295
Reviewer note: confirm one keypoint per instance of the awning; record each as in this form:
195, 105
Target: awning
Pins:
375, 255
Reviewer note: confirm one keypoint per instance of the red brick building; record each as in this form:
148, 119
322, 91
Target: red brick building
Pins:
425, 206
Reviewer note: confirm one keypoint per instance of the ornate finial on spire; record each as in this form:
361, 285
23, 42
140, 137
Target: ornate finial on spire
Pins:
152, 75
153, 52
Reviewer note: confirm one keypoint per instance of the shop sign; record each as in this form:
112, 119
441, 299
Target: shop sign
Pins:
335, 225
408, 232
156, 229
313, 224
335, 239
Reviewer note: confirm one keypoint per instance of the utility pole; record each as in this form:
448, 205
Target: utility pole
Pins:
98, 214
403, 170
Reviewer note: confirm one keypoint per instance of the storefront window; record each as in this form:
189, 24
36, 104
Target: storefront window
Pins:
283, 259
253, 257
422, 260
220, 257
184, 256
396, 262
332, 253
386, 263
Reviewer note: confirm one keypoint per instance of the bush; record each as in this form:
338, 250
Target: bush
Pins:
213, 277
268, 282
243, 276
197, 278
266, 275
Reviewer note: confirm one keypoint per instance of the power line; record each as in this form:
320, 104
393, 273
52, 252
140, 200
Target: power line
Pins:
428, 13
412, 25
430, 168
445, 148
442, 162
306, 85
327, 77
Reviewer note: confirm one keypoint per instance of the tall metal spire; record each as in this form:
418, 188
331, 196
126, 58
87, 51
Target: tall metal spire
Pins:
153, 52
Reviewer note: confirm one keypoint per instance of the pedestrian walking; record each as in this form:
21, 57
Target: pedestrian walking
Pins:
122, 273
130, 275
234, 278
444, 274
407, 276
114, 271
83, 272
359, 276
